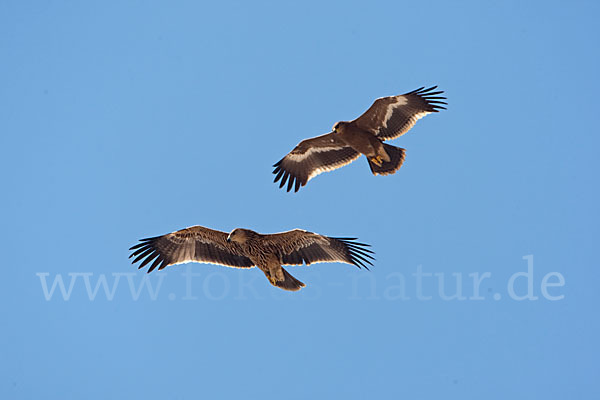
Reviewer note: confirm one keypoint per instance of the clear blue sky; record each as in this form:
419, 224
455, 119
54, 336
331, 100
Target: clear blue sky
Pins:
122, 120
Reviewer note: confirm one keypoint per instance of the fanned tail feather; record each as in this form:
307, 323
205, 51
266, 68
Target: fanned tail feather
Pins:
396, 159
289, 283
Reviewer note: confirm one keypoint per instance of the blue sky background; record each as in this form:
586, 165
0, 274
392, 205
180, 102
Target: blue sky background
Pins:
122, 120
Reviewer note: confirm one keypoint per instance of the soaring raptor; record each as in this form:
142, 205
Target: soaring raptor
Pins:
388, 118
243, 248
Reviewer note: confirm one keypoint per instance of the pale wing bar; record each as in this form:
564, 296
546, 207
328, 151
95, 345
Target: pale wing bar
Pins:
167, 250
338, 249
403, 115
297, 168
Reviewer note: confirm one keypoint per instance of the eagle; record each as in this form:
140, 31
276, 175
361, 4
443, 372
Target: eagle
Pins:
244, 248
388, 118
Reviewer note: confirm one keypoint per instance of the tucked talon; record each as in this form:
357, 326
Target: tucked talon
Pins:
377, 161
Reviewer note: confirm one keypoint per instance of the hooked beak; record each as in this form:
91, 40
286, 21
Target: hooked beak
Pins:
229, 239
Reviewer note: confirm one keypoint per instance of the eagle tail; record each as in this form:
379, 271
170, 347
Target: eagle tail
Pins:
289, 282
389, 167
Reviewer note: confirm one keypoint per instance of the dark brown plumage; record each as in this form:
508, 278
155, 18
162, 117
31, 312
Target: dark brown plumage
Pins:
388, 118
243, 248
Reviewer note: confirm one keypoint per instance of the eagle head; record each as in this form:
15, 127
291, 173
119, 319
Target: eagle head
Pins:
239, 235
338, 126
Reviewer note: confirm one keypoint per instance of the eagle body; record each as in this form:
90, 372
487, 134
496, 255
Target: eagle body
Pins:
388, 118
363, 141
264, 255
244, 248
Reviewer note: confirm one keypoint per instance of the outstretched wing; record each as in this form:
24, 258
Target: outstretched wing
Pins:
196, 243
310, 158
297, 247
390, 117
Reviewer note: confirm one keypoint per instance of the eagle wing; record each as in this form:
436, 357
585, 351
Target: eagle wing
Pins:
311, 157
196, 243
391, 117
298, 246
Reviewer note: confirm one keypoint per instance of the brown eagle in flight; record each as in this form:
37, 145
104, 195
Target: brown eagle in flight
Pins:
388, 118
243, 248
